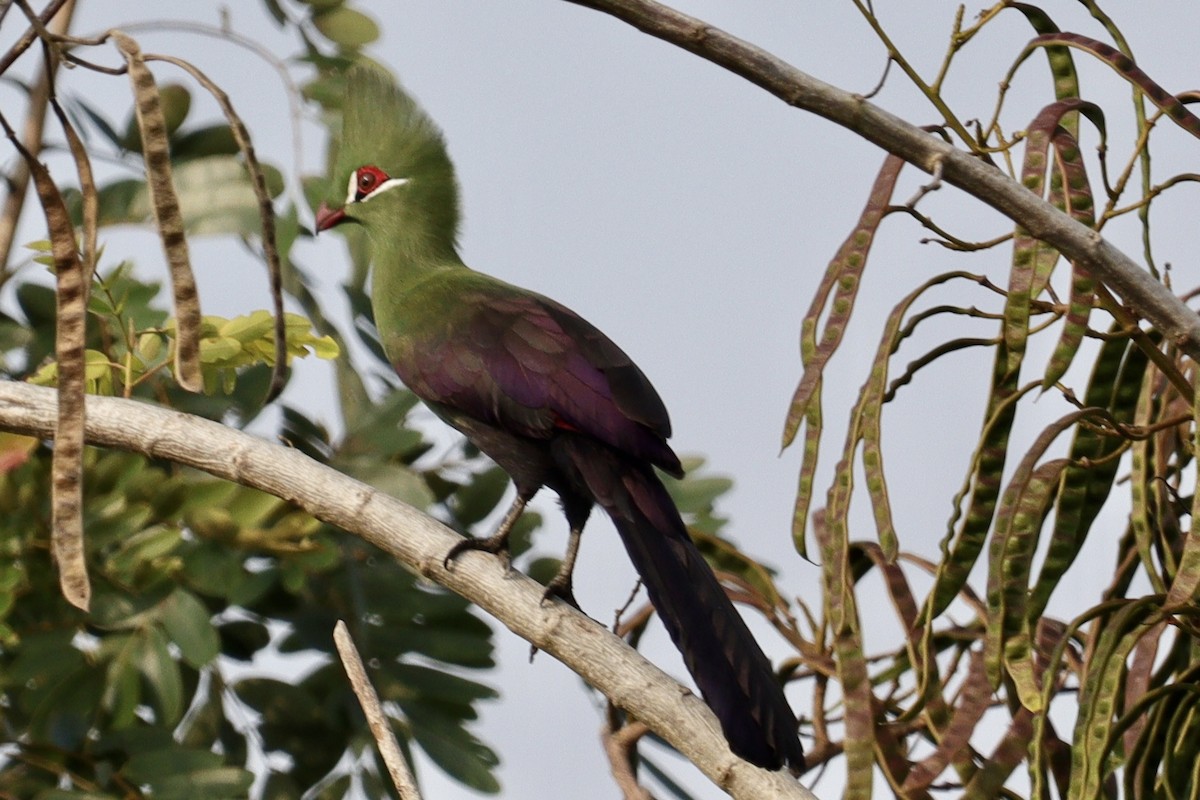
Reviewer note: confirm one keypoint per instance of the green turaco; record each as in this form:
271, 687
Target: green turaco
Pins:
543, 393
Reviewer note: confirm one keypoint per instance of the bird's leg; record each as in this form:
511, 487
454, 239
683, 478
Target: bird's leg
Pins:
495, 544
577, 506
562, 585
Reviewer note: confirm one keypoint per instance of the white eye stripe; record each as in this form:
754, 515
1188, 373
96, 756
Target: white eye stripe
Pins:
390, 183
352, 188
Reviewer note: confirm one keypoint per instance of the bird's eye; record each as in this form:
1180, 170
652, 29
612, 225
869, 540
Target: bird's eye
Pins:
366, 180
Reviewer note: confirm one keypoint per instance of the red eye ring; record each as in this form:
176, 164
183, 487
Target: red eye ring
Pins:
367, 179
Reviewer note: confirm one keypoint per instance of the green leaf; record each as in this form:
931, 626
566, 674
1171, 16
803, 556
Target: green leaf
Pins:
543, 569
122, 690
150, 347
243, 639
187, 623
162, 674
696, 494
214, 140
214, 190
346, 27
457, 752
468, 646
213, 569
98, 120
479, 498
178, 773
66, 712
114, 610
398, 481
429, 685
219, 350
297, 721
216, 196
44, 657
217, 783
122, 202
325, 348
155, 766
306, 435
140, 551
176, 102
248, 327
383, 431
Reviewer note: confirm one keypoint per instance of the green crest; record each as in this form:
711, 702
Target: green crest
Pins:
382, 126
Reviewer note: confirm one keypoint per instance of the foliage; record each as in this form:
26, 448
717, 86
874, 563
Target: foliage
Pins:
1115, 672
206, 667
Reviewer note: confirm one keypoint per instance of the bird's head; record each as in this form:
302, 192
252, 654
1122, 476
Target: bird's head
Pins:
392, 166
365, 183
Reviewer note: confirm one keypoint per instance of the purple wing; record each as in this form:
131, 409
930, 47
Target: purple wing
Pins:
528, 365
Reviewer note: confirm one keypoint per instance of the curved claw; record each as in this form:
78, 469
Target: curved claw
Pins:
496, 545
562, 590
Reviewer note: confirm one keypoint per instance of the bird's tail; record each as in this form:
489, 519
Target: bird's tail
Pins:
734, 677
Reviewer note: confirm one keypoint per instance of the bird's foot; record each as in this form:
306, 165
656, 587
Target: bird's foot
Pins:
561, 588
562, 584
496, 545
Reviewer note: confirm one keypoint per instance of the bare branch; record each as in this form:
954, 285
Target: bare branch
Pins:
31, 136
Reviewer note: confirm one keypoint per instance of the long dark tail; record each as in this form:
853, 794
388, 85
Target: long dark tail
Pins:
735, 678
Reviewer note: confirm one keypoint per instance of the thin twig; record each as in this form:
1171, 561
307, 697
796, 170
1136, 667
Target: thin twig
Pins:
948, 240
27, 38
620, 745
620, 612
31, 138
887, 68
381, 729
925, 188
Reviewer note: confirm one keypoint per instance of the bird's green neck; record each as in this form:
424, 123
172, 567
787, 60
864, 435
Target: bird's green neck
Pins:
407, 260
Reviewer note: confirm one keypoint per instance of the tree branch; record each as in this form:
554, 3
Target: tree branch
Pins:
1150, 299
419, 542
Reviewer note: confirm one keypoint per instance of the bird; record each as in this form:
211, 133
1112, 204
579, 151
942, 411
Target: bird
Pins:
543, 393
